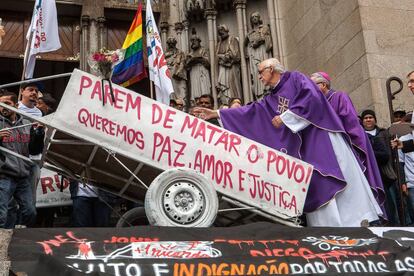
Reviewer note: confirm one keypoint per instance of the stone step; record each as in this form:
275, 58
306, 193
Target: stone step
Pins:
5, 237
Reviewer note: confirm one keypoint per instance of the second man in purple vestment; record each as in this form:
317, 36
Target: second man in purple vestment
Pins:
342, 104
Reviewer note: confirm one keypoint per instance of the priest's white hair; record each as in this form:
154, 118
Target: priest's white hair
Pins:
275, 64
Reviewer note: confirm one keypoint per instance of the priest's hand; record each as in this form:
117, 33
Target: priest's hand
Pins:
396, 144
204, 113
277, 121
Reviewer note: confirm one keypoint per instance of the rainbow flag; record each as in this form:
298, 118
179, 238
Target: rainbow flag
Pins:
131, 69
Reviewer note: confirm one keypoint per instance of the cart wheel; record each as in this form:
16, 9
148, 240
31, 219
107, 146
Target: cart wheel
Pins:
134, 217
181, 197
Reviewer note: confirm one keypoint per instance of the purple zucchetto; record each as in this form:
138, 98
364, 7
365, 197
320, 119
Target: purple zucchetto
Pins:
322, 77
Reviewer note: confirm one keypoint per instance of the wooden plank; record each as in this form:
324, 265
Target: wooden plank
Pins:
16, 26
13, 40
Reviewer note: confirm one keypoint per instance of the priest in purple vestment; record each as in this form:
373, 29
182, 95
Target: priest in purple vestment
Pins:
342, 104
296, 118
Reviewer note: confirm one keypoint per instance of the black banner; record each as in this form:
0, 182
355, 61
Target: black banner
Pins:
256, 249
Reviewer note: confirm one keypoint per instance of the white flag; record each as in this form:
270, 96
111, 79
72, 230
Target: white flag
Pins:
45, 34
158, 69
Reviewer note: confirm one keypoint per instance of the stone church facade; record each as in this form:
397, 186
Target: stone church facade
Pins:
360, 43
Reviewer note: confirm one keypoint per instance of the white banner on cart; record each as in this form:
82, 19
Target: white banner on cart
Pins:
48, 192
158, 135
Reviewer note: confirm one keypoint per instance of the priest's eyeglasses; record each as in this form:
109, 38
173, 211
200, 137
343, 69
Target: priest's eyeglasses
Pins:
261, 71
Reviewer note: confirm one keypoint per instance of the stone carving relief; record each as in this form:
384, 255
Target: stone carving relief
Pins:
176, 63
228, 56
259, 46
198, 65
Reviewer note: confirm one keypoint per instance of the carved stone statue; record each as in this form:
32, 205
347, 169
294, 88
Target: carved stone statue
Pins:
176, 62
198, 64
228, 55
259, 47
195, 4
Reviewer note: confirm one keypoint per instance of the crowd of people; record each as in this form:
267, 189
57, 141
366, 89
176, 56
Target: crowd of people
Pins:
364, 177
20, 174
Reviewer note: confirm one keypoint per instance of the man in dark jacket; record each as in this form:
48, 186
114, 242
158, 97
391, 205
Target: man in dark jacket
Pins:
380, 140
17, 135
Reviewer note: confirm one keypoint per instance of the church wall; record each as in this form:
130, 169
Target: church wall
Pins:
389, 40
327, 36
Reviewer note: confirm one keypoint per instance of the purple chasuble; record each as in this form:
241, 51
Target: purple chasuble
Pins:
344, 108
297, 93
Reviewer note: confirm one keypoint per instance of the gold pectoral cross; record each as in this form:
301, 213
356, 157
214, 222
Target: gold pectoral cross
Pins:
283, 104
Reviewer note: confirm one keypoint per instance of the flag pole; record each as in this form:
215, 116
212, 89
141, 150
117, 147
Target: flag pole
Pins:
28, 45
159, 72
44, 21
25, 59
152, 89
26, 54
27, 51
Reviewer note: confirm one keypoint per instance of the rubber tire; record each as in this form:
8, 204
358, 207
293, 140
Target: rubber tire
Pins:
130, 218
153, 199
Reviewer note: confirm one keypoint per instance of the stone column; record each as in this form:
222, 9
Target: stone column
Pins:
240, 5
211, 28
184, 39
244, 21
178, 27
215, 30
272, 23
84, 47
93, 35
102, 33
164, 31
91, 11
279, 32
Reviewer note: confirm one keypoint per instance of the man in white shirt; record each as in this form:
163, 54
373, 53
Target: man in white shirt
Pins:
28, 101
29, 96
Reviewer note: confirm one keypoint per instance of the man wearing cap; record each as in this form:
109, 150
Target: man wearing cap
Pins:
361, 145
379, 139
297, 119
29, 96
